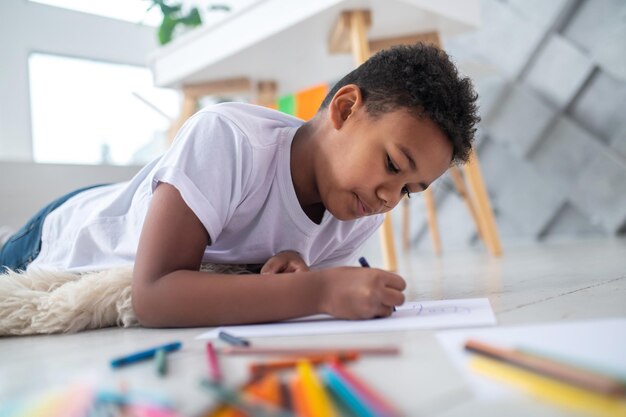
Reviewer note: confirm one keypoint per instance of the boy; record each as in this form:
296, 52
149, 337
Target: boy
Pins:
247, 185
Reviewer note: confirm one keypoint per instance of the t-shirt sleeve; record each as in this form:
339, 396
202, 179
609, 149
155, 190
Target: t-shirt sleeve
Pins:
208, 163
352, 250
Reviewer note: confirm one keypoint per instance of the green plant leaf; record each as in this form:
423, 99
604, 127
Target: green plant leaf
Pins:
166, 29
193, 18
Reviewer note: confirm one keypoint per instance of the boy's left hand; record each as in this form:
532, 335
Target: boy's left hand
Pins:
282, 262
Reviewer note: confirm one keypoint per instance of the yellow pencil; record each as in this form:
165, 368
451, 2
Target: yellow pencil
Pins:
551, 390
316, 400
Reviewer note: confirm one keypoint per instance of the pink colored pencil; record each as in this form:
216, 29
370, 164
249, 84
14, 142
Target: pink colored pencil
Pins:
372, 397
214, 366
267, 350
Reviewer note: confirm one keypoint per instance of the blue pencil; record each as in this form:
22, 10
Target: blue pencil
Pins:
233, 340
335, 383
144, 354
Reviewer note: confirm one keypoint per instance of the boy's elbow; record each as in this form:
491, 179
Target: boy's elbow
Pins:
143, 306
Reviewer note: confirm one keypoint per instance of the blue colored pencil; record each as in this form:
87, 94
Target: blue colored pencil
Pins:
144, 354
366, 264
345, 393
233, 340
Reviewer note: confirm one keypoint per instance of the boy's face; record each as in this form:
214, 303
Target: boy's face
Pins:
370, 162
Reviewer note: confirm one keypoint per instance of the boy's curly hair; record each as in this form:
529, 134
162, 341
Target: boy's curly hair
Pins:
422, 79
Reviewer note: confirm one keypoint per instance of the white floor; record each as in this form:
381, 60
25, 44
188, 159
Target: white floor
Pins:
529, 284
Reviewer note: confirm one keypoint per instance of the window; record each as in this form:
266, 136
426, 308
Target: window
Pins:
128, 10
89, 112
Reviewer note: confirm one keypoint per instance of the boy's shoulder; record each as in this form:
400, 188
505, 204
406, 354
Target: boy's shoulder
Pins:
251, 118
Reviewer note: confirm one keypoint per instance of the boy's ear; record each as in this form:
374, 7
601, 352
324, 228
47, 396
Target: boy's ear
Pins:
344, 104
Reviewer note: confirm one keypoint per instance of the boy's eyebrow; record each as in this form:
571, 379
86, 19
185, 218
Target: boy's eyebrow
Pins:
406, 153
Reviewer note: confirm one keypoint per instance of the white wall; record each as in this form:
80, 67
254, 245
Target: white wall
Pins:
30, 186
31, 27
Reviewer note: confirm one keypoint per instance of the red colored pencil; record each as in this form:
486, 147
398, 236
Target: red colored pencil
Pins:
214, 366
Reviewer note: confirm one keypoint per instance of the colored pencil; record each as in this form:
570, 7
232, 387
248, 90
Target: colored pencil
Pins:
550, 390
214, 366
232, 339
565, 373
376, 400
317, 401
244, 402
298, 400
366, 264
144, 354
376, 350
267, 389
349, 396
259, 368
160, 360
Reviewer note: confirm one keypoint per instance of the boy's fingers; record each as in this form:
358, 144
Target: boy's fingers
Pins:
384, 311
396, 282
270, 267
299, 267
392, 297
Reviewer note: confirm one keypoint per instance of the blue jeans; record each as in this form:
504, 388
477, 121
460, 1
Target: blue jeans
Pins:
24, 246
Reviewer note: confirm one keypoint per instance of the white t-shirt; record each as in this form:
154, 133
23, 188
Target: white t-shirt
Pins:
231, 165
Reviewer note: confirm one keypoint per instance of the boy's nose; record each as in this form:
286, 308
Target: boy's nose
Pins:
390, 195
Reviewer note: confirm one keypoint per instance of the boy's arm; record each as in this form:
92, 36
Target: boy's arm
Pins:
169, 291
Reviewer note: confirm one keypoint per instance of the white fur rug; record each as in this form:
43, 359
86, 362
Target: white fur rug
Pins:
38, 302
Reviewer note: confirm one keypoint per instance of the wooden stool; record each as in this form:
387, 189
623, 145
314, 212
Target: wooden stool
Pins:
265, 96
350, 35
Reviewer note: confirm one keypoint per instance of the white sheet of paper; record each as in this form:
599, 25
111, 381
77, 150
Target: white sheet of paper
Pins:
597, 343
412, 315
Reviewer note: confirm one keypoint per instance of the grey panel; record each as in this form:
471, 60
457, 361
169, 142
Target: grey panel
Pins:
520, 120
559, 71
601, 107
507, 41
541, 12
618, 142
600, 191
565, 152
570, 222
490, 90
599, 28
529, 198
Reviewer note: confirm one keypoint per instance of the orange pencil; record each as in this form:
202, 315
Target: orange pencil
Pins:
298, 400
267, 389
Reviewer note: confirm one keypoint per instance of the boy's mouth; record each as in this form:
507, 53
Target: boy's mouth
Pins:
362, 209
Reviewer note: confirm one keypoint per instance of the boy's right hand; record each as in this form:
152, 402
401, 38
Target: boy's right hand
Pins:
360, 293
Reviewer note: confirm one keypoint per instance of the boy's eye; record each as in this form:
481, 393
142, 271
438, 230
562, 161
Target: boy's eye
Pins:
405, 190
391, 167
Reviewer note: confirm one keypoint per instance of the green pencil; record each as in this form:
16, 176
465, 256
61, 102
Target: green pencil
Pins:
160, 360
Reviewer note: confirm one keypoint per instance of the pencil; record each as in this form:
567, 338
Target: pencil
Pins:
268, 350
160, 360
549, 389
244, 402
260, 368
366, 264
566, 373
298, 402
267, 389
346, 394
214, 366
143, 355
233, 340
381, 406
317, 401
